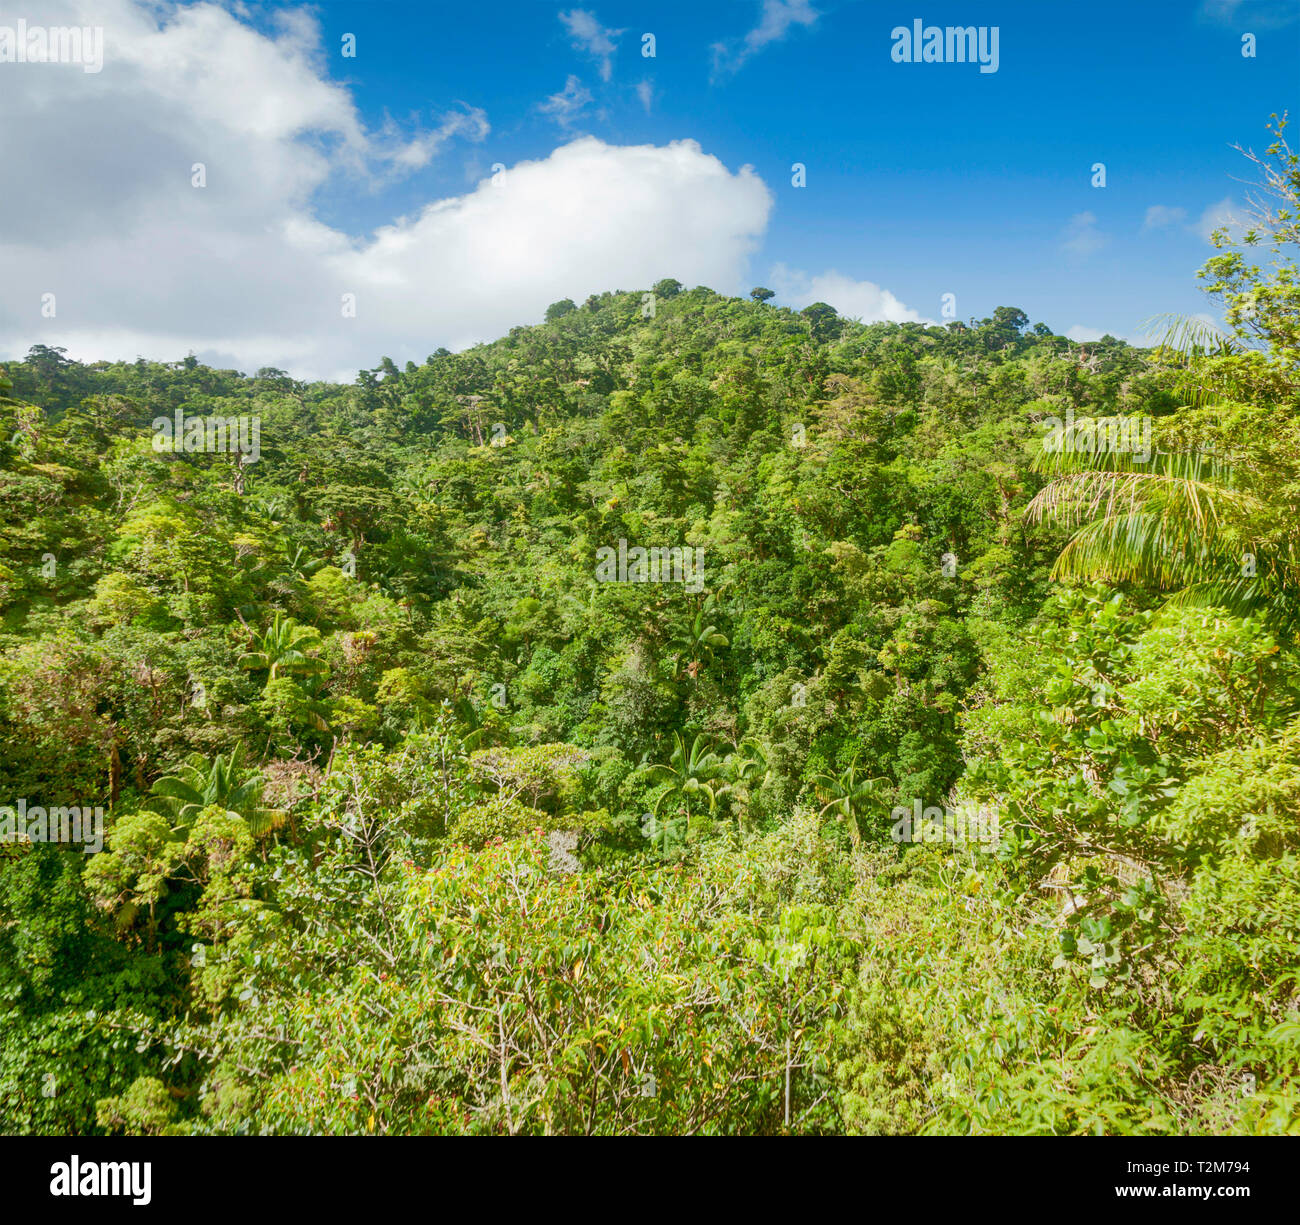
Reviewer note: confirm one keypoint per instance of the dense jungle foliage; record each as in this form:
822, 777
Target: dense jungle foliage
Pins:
412, 825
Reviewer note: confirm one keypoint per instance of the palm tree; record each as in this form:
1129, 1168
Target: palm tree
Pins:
747, 768
1200, 525
696, 642
747, 761
315, 703
477, 728
271, 508
197, 783
297, 565
691, 772
282, 648
849, 795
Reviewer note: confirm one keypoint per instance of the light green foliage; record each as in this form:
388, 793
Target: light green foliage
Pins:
507, 1007
145, 1109
133, 875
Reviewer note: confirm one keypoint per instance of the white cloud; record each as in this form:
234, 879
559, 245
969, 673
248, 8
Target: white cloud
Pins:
1220, 10
568, 105
862, 300
645, 90
1081, 236
778, 16
244, 271
1220, 216
1224, 213
1250, 14
590, 36
1082, 335
469, 123
1163, 217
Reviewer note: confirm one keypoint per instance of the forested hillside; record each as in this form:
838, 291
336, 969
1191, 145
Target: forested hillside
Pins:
422, 814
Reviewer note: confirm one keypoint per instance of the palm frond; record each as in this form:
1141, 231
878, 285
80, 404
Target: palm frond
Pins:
1189, 497
1187, 335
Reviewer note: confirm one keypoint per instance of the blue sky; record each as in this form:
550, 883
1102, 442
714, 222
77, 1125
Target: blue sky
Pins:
922, 178
372, 174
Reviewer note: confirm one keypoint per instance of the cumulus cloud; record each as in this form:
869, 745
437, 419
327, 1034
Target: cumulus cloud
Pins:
595, 39
1081, 236
776, 20
1163, 217
863, 300
244, 271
